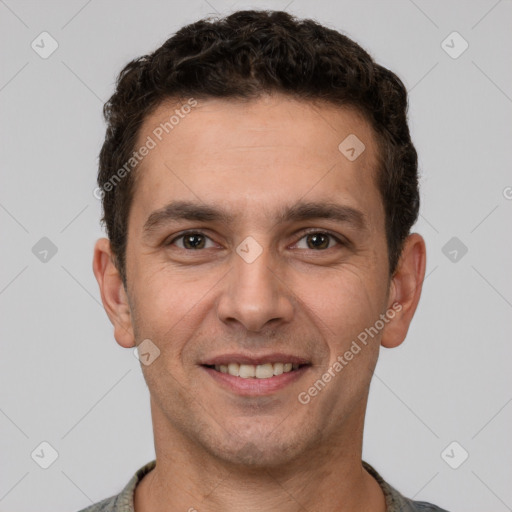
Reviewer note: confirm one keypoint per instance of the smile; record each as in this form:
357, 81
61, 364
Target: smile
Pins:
262, 379
253, 371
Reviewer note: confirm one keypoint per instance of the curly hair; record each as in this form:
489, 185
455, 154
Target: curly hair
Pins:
243, 56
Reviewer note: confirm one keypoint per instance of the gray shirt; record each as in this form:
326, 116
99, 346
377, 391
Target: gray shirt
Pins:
123, 502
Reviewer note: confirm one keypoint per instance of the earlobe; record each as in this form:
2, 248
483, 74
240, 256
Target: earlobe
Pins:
113, 294
405, 290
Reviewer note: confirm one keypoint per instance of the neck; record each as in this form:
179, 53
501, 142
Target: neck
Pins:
329, 477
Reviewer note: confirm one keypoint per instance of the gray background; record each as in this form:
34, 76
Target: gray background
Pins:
64, 379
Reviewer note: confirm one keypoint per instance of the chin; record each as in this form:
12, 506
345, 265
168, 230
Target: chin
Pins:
252, 456
257, 452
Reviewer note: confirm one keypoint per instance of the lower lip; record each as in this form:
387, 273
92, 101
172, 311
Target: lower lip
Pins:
253, 386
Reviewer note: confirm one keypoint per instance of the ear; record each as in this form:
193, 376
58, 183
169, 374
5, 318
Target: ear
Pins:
113, 294
405, 290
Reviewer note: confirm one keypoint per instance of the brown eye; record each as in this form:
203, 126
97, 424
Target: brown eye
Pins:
318, 241
191, 241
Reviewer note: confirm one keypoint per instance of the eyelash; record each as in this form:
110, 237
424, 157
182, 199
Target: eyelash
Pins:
311, 232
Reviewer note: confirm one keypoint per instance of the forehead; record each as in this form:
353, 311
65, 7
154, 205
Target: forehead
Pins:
256, 156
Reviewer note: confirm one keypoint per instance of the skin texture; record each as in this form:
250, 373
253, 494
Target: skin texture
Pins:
217, 450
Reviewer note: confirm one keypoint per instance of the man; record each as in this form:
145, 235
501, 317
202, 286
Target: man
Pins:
259, 185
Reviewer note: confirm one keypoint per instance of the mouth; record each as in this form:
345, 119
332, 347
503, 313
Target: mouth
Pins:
249, 376
256, 371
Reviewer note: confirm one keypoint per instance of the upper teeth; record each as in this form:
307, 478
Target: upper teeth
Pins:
259, 371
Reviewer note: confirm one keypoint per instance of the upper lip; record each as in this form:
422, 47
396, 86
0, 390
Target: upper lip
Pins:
225, 359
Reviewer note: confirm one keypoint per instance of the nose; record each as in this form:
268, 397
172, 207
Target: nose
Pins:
255, 294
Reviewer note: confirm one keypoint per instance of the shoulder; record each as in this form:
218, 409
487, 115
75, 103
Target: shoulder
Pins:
122, 502
396, 502
106, 505
419, 506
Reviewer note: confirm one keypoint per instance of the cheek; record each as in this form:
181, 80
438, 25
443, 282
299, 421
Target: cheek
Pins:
170, 306
164, 294
342, 302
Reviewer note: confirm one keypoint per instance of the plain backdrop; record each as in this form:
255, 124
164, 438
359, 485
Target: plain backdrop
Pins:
64, 380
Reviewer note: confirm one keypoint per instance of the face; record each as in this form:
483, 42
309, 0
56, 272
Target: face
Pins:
255, 246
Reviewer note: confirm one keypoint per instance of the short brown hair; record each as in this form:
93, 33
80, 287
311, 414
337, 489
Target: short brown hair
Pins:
244, 55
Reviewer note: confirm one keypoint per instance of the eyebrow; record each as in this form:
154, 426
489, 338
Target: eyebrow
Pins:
187, 210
